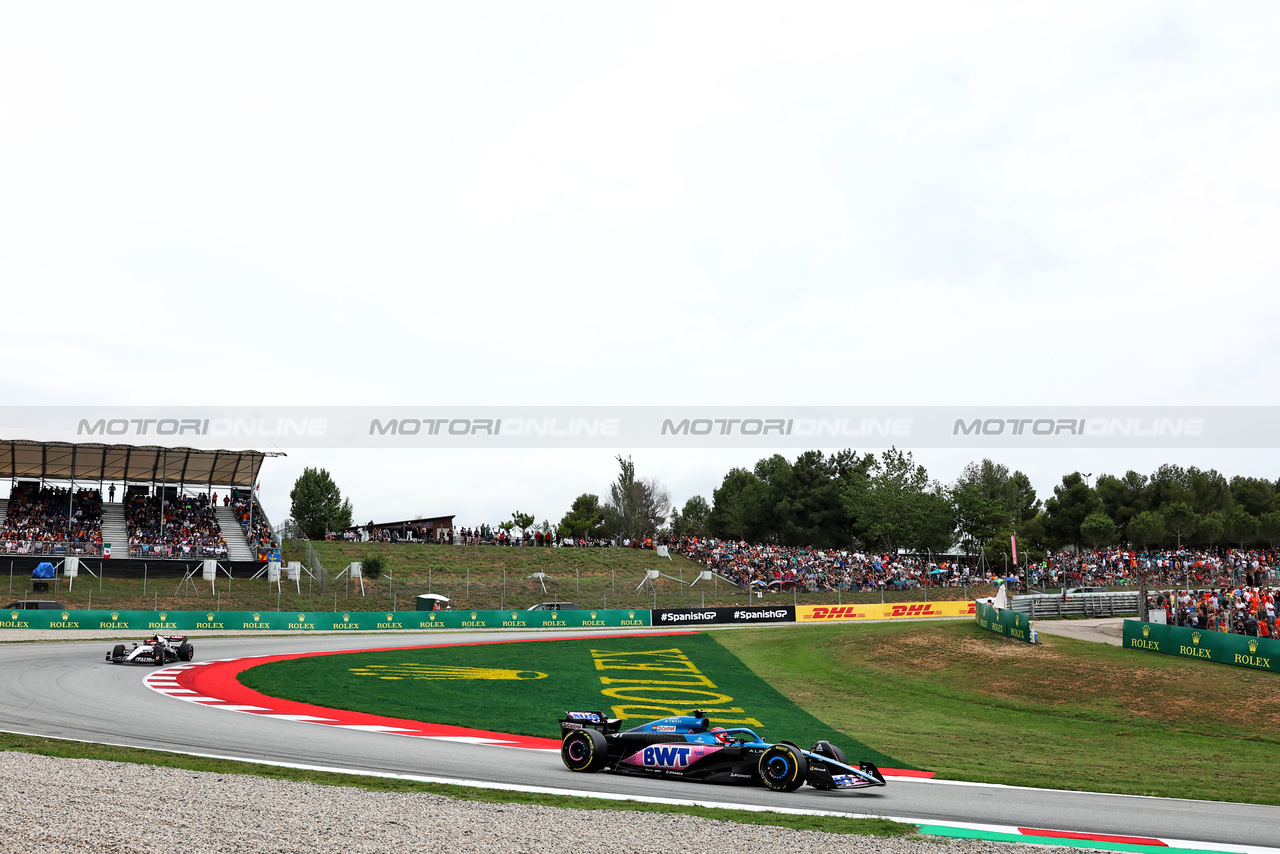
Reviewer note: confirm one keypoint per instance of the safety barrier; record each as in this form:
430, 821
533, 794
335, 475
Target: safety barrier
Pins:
322, 621
1005, 621
886, 611
1038, 606
1236, 650
722, 616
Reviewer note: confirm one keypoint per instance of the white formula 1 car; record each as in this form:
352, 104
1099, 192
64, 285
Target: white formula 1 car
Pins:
158, 649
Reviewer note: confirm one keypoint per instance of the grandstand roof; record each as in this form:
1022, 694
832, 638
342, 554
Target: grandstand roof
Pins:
135, 463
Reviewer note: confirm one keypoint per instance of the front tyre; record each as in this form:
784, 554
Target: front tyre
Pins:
783, 768
584, 750
186, 652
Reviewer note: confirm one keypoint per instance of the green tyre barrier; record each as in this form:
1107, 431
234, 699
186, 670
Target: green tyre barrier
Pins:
318, 621
1005, 621
1204, 644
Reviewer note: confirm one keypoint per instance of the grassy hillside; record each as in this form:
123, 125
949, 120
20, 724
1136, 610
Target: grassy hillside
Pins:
1065, 714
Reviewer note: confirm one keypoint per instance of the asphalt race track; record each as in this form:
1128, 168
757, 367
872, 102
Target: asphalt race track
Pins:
67, 690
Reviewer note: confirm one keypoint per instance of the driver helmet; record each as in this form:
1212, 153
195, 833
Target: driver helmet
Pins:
721, 734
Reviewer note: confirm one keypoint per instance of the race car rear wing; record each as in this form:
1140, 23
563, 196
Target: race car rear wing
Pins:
589, 720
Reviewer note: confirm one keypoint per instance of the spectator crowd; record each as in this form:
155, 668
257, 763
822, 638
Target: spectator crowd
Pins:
1160, 568
1241, 609
52, 520
480, 535
785, 568
257, 530
167, 524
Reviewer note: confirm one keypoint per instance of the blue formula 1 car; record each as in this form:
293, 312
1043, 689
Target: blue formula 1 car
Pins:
688, 748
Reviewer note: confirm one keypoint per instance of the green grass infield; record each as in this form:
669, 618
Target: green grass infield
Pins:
942, 696
525, 687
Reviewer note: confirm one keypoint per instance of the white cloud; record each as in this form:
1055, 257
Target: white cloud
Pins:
718, 203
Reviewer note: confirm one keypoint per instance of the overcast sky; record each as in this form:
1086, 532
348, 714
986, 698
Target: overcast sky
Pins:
691, 203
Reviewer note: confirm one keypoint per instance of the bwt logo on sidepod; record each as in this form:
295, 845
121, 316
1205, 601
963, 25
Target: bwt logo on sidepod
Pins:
666, 756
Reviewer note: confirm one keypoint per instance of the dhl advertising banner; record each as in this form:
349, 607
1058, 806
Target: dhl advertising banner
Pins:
322, 621
890, 611
1004, 621
1237, 650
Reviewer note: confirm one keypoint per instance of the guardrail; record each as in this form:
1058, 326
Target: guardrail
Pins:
1051, 605
56, 548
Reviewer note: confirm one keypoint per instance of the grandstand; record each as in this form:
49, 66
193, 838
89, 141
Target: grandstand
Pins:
130, 509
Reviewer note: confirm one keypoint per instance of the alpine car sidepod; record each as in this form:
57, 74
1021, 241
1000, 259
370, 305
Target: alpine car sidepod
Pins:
686, 747
158, 649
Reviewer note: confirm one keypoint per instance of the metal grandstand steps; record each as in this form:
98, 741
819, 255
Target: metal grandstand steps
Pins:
4, 510
237, 545
114, 529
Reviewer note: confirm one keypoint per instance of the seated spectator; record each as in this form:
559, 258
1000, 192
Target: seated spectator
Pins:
46, 520
184, 526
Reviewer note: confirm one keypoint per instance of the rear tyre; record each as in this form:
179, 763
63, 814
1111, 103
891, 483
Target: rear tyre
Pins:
584, 750
186, 652
783, 768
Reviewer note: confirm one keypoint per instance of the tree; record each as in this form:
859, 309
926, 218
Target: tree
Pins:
523, 521
583, 518
636, 508
317, 504
978, 517
735, 506
1071, 503
1241, 527
1181, 519
1122, 497
1209, 491
1169, 485
693, 520
896, 506
1269, 528
936, 531
1012, 492
1147, 528
1211, 527
794, 503
1098, 529
1253, 494
1032, 537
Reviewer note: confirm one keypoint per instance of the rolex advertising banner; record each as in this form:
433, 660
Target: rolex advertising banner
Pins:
1237, 650
322, 621
888, 611
1005, 621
